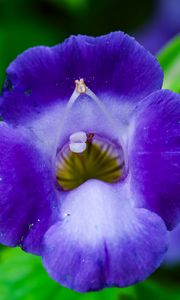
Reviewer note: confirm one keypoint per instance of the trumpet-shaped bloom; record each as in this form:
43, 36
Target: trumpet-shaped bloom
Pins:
90, 176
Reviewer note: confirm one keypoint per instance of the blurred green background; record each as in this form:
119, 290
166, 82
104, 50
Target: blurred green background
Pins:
27, 23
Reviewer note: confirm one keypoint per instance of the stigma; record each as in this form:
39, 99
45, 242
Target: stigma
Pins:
77, 142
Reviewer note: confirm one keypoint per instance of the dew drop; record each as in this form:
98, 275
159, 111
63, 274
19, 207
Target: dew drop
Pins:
67, 215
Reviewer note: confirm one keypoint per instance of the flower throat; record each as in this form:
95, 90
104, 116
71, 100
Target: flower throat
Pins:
88, 155
99, 160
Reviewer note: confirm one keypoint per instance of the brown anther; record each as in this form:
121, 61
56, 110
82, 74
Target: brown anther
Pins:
90, 137
81, 87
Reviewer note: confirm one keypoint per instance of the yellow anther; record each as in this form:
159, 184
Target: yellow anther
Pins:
81, 87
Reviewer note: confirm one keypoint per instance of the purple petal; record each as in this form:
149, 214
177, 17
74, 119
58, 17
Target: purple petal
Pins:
25, 190
53, 130
155, 155
102, 241
114, 63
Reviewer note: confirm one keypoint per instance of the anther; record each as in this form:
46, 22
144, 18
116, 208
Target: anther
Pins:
90, 137
81, 87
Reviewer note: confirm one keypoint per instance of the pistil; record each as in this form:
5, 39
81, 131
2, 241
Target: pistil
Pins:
86, 156
77, 142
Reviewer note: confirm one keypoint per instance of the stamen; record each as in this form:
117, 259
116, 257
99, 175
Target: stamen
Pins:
81, 87
119, 133
103, 109
90, 137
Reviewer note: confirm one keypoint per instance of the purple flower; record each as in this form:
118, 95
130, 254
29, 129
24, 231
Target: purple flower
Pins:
90, 173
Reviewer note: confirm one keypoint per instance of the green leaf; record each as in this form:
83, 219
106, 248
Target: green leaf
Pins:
22, 277
169, 59
22, 36
74, 6
151, 289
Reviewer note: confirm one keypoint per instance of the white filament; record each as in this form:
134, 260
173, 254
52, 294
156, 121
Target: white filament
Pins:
79, 146
99, 103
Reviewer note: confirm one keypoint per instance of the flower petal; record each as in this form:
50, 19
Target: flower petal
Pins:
25, 190
101, 240
155, 155
114, 63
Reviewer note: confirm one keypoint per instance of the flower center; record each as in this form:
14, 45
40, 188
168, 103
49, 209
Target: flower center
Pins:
88, 156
